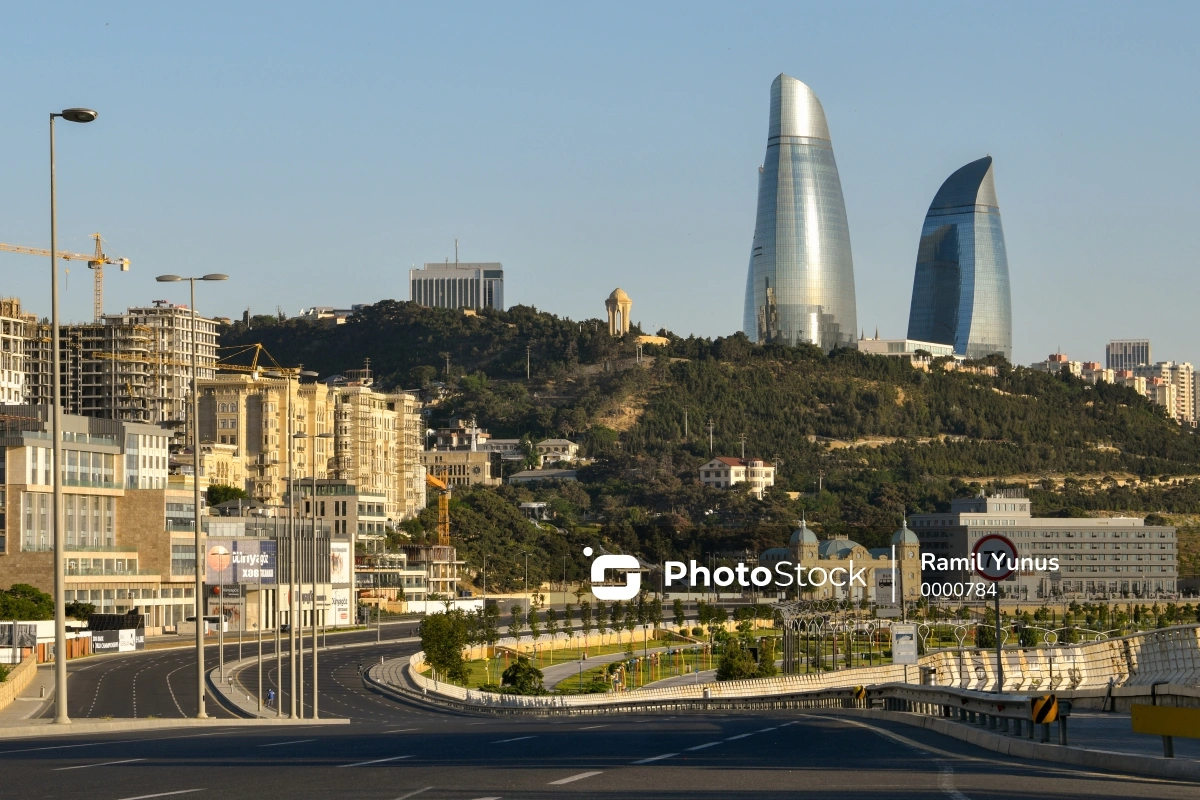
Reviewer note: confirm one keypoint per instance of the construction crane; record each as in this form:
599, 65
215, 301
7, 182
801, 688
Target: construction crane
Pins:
443, 525
256, 349
95, 262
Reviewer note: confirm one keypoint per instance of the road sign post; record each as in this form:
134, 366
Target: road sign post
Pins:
995, 561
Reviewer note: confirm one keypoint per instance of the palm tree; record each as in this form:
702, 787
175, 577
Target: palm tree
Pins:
552, 629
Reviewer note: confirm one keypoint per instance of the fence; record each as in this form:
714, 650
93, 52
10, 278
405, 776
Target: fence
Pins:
1169, 655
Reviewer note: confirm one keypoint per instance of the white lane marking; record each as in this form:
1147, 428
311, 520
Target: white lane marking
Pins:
68, 746
764, 730
281, 744
403, 730
655, 758
476, 723
518, 739
784, 725
162, 794
702, 746
593, 727
414, 793
103, 764
573, 778
376, 761
739, 736
946, 784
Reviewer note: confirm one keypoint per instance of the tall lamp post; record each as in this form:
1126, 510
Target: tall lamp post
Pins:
60, 551
316, 553
195, 414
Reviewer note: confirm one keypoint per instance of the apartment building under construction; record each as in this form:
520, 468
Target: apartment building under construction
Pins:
134, 367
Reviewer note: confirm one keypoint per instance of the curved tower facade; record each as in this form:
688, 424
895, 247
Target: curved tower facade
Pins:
800, 283
960, 293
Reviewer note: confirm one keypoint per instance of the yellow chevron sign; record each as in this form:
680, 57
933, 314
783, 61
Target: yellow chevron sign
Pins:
860, 693
1045, 708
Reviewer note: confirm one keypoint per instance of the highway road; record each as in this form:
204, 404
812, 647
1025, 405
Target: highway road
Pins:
392, 751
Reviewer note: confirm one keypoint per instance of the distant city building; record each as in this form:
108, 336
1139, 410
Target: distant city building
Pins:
552, 450
800, 280
457, 286
1127, 353
919, 353
328, 315
1107, 557
725, 473
1126, 377
1180, 399
12, 350
961, 290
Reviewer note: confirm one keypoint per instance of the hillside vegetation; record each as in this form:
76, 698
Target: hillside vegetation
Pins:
1079, 449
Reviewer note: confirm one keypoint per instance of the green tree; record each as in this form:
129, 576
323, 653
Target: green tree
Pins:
523, 677
552, 629
516, 622
585, 620
80, 611
680, 614
736, 664
218, 493
614, 619
25, 602
443, 637
601, 619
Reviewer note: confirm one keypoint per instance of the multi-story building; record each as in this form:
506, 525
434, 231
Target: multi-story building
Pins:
1127, 354
12, 350
552, 450
1097, 557
463, 467
961, 291
919, 353
800, 280
351, 432
724, 473
1126, 377
1180, 403
134, 366
119, 520
458, 285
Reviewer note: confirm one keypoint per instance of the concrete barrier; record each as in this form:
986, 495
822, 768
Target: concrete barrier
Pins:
18, 678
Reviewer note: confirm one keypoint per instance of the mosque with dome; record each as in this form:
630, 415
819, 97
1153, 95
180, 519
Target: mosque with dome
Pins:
806, 550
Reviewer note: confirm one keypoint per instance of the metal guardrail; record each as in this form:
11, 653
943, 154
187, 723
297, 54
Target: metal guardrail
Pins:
1003, 713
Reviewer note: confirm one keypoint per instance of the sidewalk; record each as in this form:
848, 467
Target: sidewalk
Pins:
31, 702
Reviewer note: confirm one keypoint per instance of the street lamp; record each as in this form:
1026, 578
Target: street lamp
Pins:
316, 560
60, 550
195, 413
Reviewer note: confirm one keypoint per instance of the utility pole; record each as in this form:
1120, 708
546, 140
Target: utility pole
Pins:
743, 447
710, 436
527, 349
447, 366
820, 480
685, 429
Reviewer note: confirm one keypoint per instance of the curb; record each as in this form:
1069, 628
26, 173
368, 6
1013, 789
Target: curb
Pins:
45, 728
1105, 760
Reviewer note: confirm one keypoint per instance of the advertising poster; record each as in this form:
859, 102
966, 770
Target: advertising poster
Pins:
126, 640
339, 562
904, 644
339, 614
234, 561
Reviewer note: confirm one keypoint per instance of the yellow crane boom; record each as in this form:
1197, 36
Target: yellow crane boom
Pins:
443, 524
95, 262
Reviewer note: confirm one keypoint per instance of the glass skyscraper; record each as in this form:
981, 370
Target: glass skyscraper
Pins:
800, 283
960, 292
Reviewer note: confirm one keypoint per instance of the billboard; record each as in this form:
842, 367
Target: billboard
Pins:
125, 640
339, 614
234, 561
339, 562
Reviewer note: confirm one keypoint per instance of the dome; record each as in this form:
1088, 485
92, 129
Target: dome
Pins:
904, 535
836, 548
802, 535
619, 295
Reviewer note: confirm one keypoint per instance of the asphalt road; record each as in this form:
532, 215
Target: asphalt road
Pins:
405, 752
393, 751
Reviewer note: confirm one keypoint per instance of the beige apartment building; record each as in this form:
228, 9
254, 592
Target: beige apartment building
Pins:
724, 473
374, 443
12, 350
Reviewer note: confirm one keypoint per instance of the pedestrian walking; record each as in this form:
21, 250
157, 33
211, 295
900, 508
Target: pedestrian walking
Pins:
270, 698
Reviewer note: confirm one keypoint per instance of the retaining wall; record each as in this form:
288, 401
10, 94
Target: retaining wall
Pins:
18, 678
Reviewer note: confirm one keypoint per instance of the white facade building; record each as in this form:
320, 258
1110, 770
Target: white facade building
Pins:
725, 473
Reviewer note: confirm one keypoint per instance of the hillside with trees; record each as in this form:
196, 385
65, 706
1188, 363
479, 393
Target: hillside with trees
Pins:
858, 440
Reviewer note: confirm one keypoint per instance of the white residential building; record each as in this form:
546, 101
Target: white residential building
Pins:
725, 473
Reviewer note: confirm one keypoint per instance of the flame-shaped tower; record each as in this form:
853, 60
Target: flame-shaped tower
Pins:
800, 284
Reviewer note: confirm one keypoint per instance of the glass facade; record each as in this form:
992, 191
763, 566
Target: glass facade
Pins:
961, 292
800, 282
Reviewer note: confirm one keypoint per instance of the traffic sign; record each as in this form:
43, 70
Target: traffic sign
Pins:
1045, 709
993, 556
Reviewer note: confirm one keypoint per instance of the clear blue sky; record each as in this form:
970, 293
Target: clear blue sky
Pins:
316, 151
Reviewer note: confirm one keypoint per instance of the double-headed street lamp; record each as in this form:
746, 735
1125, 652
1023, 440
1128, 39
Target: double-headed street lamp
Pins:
60, 550
316, 559
195, 414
